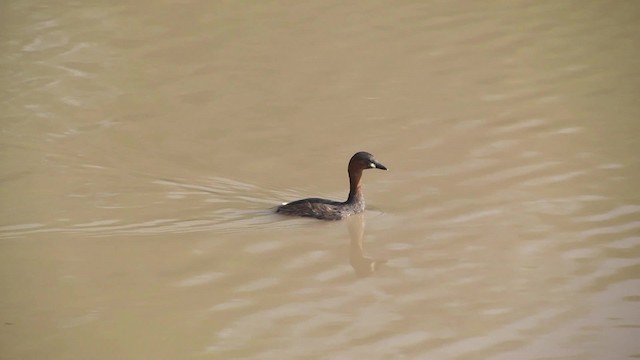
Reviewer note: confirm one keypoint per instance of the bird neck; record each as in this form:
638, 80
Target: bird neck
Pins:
355, 186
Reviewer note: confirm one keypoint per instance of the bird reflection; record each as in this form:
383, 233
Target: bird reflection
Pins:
362, 265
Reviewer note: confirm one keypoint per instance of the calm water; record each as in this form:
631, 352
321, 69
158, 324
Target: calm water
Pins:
144, 146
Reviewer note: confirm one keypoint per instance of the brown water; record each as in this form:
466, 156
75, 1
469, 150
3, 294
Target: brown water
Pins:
145, 144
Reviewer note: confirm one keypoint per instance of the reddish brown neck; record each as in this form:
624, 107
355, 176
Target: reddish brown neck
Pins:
355, 185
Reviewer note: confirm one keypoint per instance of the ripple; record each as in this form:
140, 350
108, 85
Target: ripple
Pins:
264, 247
561, 206
333, 274
611, 214
232, 305
259, 284
545, 180
200, 279
397, 342
473, 216
522, 125
510, 173
97, 223
505, 334
615, 229
12, 228
89, 317
625, 243
308, 259
494, 148
47, 41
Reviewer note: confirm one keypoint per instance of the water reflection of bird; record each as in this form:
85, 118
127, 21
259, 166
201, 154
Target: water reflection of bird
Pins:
362, 264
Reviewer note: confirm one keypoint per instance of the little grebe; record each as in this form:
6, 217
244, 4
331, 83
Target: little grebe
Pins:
334, 210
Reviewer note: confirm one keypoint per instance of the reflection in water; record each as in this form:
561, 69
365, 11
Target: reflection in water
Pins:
362, 265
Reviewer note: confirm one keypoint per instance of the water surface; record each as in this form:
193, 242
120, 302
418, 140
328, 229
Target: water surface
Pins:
144, 146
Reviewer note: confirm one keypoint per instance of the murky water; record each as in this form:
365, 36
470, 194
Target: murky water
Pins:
145, 144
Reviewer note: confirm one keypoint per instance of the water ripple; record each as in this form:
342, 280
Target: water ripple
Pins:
611, 214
